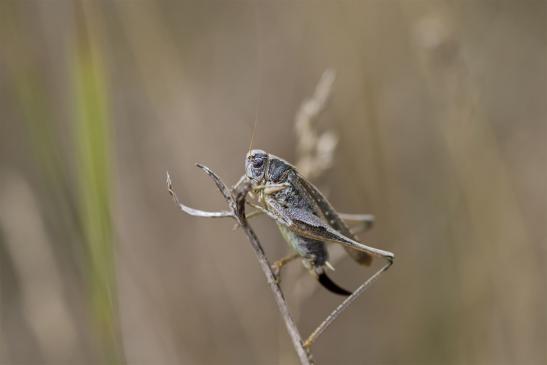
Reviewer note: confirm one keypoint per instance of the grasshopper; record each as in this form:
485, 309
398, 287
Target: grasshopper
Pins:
306, 219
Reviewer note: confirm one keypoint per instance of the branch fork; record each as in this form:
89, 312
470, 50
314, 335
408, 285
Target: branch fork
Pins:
236, 198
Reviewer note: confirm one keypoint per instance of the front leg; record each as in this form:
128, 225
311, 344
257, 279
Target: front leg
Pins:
248, 216
269, 189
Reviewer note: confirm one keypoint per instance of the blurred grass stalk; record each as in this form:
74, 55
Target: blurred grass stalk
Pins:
482, 177
93, 138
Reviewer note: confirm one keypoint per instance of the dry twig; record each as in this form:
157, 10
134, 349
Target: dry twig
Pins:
236, 201
315, 150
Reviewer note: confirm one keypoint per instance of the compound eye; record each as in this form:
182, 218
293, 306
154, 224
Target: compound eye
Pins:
258, 163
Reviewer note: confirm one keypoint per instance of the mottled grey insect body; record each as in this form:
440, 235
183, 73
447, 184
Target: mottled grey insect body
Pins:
265, 169
282, 190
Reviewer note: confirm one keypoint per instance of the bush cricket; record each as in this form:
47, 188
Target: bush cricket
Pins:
306, 220
304, 216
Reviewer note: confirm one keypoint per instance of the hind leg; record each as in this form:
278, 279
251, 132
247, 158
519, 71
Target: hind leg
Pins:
279, 264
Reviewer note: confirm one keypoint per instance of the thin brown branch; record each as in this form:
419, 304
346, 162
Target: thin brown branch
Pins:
192, 211
236, 198
344, 305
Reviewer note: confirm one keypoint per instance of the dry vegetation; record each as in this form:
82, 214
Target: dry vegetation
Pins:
439, 109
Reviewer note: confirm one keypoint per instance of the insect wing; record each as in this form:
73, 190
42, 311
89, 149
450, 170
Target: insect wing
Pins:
334, 220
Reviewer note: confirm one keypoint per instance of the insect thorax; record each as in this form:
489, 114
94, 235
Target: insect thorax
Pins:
280, 171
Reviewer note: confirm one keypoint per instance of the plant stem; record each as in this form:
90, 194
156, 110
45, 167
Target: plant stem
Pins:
236, 201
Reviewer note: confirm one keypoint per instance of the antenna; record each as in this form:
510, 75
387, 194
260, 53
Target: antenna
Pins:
259, 74
254, 130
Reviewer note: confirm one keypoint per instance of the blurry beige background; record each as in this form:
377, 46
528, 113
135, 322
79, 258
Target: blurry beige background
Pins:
440, 110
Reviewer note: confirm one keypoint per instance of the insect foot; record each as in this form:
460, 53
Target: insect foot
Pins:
276, 270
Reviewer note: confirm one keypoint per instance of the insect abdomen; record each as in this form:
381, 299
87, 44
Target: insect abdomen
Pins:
311, 250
